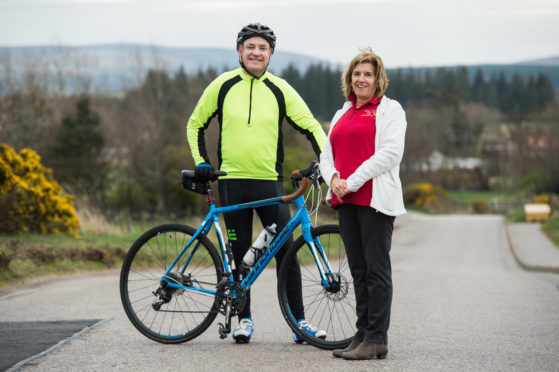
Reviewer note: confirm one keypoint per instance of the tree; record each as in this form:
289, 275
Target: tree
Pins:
517, 94
462, 83
319, 87
544, 90
479, 87
315, 93
181, 82
26, 105
153, 121
76, 152
293, 77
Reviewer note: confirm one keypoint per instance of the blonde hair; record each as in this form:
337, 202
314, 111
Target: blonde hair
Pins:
366, 55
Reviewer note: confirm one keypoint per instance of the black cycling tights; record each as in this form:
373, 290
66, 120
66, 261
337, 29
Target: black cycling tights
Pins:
239, 229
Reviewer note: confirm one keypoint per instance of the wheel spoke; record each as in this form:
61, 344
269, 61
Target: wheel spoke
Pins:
161, 312
329, 309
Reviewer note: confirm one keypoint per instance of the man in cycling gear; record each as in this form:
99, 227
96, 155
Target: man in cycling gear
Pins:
256, 29
250, 105
251, 31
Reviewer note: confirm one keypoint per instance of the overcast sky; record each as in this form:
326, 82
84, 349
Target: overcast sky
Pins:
402, 32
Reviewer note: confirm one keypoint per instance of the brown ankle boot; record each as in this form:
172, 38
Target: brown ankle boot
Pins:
351, 346
367, 350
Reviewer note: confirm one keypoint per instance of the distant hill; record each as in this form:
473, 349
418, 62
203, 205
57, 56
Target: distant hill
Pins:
550, 61
113, 67
524, 70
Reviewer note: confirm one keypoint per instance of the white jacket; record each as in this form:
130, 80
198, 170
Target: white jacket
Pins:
383, 167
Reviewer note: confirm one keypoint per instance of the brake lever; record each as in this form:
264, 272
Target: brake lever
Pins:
316, 183
316, 176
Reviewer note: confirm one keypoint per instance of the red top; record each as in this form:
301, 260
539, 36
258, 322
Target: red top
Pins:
353, 142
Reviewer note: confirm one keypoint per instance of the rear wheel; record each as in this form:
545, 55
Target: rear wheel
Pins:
159, 311
329, 308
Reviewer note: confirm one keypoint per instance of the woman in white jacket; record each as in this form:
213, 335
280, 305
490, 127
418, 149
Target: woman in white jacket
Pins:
360, 163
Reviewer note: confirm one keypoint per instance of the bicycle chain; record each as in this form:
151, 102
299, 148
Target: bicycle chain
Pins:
190, 280
200, 282
224, 291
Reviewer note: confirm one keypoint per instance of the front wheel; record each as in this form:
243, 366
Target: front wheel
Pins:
329, 306
158, 310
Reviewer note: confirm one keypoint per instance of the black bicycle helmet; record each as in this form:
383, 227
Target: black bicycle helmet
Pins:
256, 29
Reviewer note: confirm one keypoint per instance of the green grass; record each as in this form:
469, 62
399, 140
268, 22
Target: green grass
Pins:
413, 207
551, 228
28, 255
464, 198
516, 215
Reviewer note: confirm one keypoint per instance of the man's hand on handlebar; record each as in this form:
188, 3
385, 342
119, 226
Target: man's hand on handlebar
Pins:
204, 172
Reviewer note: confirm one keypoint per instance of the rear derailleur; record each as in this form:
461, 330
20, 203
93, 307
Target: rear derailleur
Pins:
166, 292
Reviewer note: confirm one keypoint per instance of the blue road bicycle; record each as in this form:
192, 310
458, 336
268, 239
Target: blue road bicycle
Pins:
174, 282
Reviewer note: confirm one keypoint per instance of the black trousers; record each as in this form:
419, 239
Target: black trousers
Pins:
239, 230
367, 235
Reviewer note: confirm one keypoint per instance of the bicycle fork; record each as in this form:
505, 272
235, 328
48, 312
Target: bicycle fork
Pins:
327, 277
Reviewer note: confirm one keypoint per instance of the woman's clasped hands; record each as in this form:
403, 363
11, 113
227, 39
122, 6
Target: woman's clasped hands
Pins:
339, 187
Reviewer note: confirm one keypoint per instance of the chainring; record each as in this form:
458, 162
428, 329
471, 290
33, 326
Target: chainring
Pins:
231, 293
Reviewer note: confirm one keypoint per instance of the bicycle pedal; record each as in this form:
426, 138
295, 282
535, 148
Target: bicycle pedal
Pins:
223, 331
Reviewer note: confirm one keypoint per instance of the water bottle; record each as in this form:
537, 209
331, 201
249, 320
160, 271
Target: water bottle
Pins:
263, 240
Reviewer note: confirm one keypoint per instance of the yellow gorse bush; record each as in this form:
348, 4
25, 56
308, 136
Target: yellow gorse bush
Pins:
30, 198
479, 206
542, 198
425, 195
546, 198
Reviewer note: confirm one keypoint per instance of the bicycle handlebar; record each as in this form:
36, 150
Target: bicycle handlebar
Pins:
312, 173
309, 172
305, 175
299, 192
191, 173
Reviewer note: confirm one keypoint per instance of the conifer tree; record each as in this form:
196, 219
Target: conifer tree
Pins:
76, 153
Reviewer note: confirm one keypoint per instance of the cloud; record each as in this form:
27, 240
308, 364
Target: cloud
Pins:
404, 32
70, 2
212, 5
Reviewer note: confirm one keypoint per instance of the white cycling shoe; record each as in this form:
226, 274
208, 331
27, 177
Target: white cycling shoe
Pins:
243, 331
308, 327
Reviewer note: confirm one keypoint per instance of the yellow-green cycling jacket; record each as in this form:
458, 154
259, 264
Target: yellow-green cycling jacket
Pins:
250, 113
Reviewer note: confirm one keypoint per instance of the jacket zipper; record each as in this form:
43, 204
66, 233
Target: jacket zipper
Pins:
250, 101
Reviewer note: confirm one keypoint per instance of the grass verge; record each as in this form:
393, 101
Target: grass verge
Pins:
25, 256
516, 215
551, 229
29, 255
465, 198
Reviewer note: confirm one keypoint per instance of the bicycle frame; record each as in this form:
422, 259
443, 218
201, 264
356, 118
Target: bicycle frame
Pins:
300, 217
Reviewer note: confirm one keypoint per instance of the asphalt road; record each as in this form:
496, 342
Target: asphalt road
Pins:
460, 303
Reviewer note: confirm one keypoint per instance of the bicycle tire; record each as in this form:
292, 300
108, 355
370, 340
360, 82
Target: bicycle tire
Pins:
331, 312
187, 314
